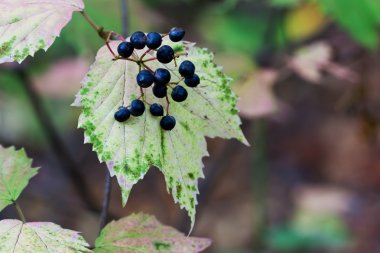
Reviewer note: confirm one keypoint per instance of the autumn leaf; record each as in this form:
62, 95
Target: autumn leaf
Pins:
143, 233
41, 237
132, 147
15, 173
27, 26
310, 61
257, 98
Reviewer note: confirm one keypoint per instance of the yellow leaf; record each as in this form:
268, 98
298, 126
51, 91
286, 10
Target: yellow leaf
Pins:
304, 21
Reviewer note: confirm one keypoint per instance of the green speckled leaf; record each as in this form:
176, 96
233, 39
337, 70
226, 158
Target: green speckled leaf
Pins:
39, 237
143, 233
131, 148
15, 173
27, 26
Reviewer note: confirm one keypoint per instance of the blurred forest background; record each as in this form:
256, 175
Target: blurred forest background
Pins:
308, 73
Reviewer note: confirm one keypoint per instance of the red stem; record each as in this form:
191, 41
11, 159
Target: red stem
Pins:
167, 105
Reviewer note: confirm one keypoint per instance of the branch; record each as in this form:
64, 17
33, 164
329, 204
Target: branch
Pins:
108, 179
106, 200
68, 164
99, 29
124, 17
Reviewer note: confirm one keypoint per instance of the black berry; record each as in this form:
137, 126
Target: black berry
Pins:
160, 91
137, 107
162, 76
122, 114
179, 94
125, 49
165, 54
156, 110
138, 40
153, 40
186, 69
144, 78
176, 34
192, 81
167, 123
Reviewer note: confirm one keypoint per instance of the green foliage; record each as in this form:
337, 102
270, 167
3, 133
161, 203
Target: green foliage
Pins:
236, 32
310, 231
360, 18
15, 173
285, 3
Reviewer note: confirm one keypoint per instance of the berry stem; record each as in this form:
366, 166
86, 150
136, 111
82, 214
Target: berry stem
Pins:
176, 83
142, 94
126, 59
167, 104
150, 59
120, 37
146, 67
178, 55
108, 45
142, 56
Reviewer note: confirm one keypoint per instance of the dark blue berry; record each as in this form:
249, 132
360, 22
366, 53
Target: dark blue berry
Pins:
162, 76
122, 114
144, 78
176, 34
192, 81
167, 123
179, 94
156, 110
154, 40
165, 54
160, 91
137, 107
186, 69
125, 49
138, 40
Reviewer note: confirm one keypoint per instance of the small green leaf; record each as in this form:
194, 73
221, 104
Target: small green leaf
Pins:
39, 237
28, 26
360, 18
132, 147
286, 3
143, 233
15, 173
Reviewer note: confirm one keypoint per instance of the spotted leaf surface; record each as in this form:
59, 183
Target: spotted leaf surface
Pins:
15, 173
132, 147
41, 237
143, 233
27, 26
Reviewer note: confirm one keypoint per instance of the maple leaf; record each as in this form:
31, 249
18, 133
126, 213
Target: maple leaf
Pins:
41, 237
131, 148
143, 233
15, 173
27, 26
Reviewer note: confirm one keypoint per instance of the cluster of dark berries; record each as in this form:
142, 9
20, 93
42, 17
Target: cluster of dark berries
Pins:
160, 79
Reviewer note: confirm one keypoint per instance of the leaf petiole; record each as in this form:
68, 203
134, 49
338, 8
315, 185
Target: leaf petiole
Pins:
19, 211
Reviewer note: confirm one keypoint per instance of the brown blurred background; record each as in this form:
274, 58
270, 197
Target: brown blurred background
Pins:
308, 73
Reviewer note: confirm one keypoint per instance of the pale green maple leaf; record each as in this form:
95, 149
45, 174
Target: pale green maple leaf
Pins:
143, 233
131, 148
15, 173
27, 26
39, 237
